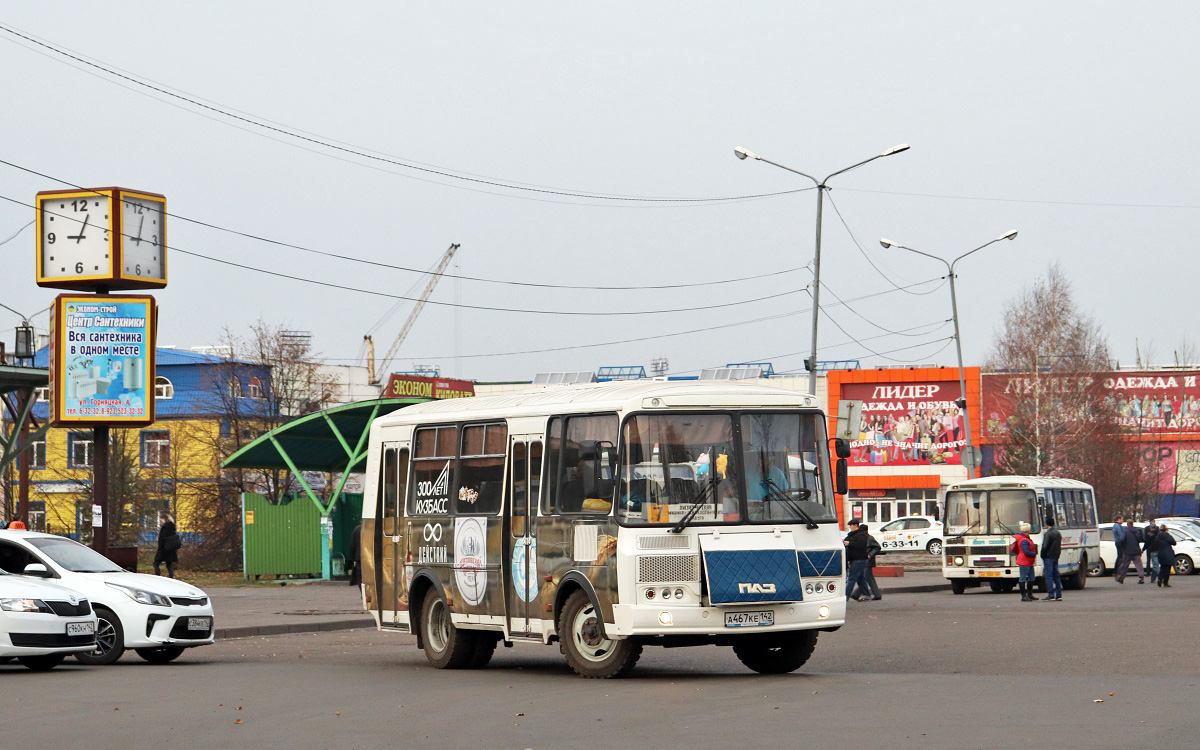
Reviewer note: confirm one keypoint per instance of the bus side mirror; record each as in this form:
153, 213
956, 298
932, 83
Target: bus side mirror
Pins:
840, 481
841, 447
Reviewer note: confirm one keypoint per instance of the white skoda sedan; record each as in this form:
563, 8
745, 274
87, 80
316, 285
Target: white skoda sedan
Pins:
41, 623
157, 617
910, 533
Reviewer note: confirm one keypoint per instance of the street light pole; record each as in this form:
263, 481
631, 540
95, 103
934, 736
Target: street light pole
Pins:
821, 186
962, 380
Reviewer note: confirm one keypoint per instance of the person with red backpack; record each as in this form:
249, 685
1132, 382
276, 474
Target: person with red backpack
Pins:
1026, 552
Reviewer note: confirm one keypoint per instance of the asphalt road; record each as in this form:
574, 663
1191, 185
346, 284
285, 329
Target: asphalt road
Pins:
914, 670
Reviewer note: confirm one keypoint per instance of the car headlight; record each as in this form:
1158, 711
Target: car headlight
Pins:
142, 596
25, 605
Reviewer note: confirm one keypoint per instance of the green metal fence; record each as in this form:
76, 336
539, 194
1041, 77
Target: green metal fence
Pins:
280, 539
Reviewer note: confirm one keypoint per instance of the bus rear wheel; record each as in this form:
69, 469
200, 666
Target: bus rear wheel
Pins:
776, 653
446, 646
588, 651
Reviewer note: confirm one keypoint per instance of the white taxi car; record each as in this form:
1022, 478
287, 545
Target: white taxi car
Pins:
157, 617
41, 623
1187, 548
911, 533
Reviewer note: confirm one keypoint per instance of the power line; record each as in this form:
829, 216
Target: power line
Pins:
863, 252
344, 287
14, 234
265, 124
379, 264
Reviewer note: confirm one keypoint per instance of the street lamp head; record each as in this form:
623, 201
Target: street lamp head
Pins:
895, 149
1009, 235
742, 153
886, 243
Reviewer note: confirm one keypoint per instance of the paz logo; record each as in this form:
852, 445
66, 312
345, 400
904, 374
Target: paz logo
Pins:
756, 588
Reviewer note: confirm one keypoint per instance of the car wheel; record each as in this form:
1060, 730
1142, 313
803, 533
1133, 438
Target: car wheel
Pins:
934, 547
446, 646
1096, 568
42, 663
958, 585
1183, 565
776, 653
110, 640
588, 651
160, 655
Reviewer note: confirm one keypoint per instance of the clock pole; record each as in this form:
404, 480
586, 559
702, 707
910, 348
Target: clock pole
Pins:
100, 477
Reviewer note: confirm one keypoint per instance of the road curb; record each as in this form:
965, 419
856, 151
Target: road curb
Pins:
250, 631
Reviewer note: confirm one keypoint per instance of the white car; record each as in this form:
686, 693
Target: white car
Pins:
1187, 548
913, 533
157, 617
41, 623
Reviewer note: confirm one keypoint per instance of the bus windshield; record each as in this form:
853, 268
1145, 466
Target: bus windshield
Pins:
722, 468
990, 511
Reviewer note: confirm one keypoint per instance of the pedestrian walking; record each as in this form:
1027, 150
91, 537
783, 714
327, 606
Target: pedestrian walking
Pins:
1026, 551
168, 549
1152, 566
1051, 549
1118, 532
856, 558
1131, 552
1164, 551
354, 560
873, 548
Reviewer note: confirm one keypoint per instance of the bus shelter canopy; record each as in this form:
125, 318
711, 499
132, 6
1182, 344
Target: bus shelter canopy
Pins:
17, 385
333, 440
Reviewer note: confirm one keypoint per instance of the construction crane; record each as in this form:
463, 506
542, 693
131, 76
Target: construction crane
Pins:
374, 374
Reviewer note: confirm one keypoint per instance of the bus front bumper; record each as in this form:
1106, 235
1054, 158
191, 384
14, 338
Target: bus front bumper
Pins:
663, 619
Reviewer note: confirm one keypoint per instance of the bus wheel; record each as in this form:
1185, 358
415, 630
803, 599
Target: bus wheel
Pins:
590, 654
446, 646
485, 647
776, 653
1079, 580
958, 585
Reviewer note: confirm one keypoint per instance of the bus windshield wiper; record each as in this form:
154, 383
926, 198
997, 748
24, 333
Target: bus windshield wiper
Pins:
775, 492
692, 511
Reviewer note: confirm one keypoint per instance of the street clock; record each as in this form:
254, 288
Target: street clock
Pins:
110, 238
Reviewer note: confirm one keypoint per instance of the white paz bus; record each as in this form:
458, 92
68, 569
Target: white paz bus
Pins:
607, 517
983, 516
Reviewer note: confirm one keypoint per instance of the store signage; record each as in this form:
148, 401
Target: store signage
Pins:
415, 386
102, 359
907, 424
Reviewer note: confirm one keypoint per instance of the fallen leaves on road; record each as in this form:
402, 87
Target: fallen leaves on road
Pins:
1098, 700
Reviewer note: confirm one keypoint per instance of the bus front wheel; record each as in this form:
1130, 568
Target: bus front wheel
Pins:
958, 585
446, 646
776, 653
588, 651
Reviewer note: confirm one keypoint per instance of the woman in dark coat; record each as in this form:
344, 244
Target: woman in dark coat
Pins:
1163, 545
168, 548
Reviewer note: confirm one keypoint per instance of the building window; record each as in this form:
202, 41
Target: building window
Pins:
163, 388
41, 394
156, 448
79, 450
255, 389
235, 387
37, 454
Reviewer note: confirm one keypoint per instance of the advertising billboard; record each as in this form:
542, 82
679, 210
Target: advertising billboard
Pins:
907, 423
415, 386
102, 359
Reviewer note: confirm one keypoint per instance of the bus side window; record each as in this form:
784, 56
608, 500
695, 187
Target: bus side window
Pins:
585, 480
519, 489
434, 451
1090, 507
553, 465
1060, 513
535, 476
388, 492
480, 484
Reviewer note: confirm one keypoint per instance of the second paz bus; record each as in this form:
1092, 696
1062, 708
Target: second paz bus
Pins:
984, 515
607, 517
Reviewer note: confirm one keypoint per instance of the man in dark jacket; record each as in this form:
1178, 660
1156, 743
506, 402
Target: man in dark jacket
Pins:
1051, 549
856, 557
873, 548
1152, 565
1131, 552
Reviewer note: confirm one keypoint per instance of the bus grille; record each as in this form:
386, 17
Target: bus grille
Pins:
952, 551
668, 568
990, 563
664, 541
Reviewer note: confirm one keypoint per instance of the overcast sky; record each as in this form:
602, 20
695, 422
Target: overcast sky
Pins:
1074, 123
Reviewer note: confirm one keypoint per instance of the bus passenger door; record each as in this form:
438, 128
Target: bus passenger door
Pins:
391, 593
524, 473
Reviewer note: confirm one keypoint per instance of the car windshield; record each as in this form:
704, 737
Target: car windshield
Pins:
73, 556
990, 511
691, 466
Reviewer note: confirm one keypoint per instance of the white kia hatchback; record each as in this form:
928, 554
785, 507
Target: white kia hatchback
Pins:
41, 623
157, 617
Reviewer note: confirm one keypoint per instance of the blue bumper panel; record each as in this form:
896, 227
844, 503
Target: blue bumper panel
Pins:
820, 562
748, 576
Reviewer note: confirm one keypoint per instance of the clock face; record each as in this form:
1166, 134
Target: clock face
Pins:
76, 236
143, 226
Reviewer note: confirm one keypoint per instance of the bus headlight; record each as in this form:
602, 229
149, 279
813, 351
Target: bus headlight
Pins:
820, 588
808, 588
665, 618
823, 611
958, 561
649, 593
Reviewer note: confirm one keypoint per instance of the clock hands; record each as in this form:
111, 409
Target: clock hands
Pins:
81, 235
138, 239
